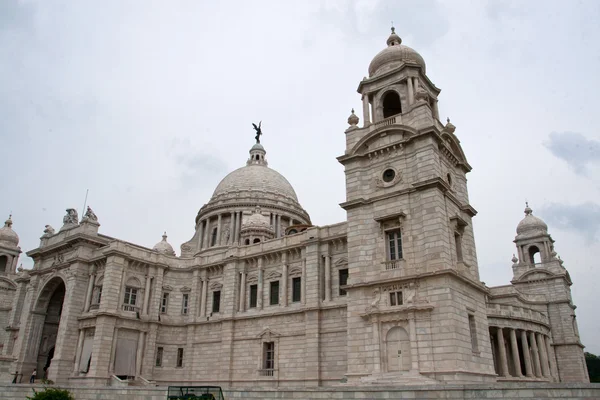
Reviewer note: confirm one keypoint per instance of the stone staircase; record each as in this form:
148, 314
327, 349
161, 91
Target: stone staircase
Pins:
399, 379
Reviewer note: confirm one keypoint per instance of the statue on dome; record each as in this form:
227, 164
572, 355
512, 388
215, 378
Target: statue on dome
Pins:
258, 131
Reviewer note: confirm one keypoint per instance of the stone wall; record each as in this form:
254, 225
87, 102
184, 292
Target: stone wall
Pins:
496, 391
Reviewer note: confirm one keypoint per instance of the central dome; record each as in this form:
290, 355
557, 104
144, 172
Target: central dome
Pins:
255, 177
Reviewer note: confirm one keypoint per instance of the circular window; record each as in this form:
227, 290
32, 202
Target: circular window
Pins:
389, 175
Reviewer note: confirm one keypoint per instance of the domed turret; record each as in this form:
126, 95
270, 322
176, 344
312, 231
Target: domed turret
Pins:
531, 226
394, 55
164, 247
8, 237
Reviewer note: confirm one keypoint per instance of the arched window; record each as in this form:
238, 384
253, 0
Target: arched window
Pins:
247, 242
3, 263
257, 240
534, 255
391, 104
213, 239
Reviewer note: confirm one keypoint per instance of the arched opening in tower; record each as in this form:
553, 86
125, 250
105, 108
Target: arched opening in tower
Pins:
534, 255
391, 104
3, 263
54, 294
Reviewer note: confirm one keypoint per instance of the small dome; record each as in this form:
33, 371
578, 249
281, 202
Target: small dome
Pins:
7, 235
164, 247
394, 55
531, 226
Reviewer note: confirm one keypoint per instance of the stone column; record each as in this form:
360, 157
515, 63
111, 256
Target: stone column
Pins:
415, 84
200, 235
284, 278
502, 353
414, 350
551, 359
526, 354
366, 113
147, 295
113, 351
231, 229
327, 277
436, 113
543, 354
411, 93
88, 295
243, 291
140, 354
219, 220
303, 281
514, 346
259, 296
203, 298
536, 355
79, 350
238, 226
278, 225
207, 234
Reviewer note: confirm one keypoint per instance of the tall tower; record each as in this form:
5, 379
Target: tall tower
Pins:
9, 248
417, 307
540, 277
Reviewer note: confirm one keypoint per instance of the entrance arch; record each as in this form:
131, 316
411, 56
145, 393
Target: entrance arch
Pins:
50, 304
398, 350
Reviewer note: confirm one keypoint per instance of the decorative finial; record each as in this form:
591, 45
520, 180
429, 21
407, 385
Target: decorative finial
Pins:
528, 210
8, 222
514, 259
353, 119
447, 120
258, 131
164, 236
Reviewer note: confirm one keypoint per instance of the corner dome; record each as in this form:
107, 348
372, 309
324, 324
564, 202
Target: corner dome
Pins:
394, 55
7, 235
531, 226
164, 247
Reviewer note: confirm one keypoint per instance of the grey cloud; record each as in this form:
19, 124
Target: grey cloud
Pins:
583, 219
195, 165
575, 149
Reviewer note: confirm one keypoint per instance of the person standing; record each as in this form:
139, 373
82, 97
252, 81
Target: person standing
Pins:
33, 374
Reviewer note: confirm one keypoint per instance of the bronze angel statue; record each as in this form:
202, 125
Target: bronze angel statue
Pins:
258, 131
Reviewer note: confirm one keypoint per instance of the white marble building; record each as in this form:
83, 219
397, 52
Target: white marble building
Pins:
259, 296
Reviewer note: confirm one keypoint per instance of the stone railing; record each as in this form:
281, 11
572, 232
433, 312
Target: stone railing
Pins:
128, 307
266, 372
509, 311
396, 119
392, 264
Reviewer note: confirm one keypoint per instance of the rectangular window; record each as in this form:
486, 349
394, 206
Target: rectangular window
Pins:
473, 330
130, 296
296, 289
97, 295
216, 301
180, 357
269, 355
343, 274
253, 295
184, 303
274, 293
164, 305
458, 244
394, 240
159, 356
396, 299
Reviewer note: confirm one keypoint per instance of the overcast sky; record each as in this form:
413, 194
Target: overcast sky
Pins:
149, 105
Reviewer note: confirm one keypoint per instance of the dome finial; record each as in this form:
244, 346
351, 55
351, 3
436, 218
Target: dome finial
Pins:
353, 119
528, 210
394, 39
164, 236
8, 223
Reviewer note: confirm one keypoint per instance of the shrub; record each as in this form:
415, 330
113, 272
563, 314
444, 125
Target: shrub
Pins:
52, 394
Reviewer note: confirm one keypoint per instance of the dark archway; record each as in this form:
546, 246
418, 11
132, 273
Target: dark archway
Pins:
3, 263
391, 104
50, 302
534, 255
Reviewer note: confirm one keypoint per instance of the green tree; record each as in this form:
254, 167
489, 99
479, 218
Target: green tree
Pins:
593, 366
52, 394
